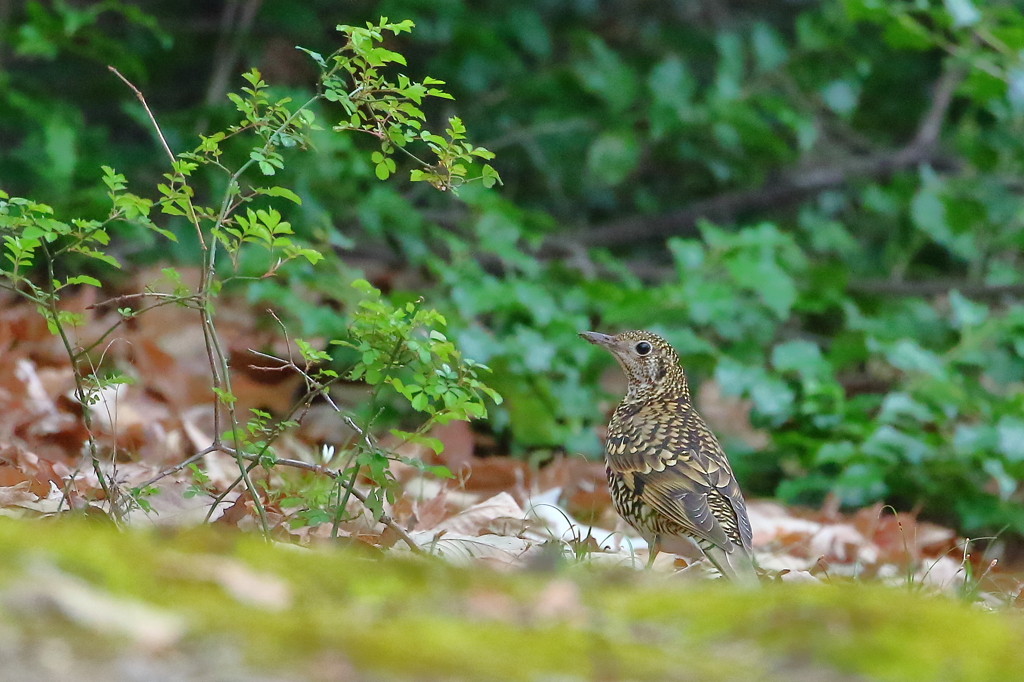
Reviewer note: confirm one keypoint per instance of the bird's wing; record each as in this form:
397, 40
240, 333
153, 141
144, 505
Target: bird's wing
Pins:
676, 465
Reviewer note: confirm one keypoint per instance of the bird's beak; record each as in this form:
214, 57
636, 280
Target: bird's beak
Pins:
598, 339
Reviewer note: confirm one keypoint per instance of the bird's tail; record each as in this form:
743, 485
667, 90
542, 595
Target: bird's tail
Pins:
737, 565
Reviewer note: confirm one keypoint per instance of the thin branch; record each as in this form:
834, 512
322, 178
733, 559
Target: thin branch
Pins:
167, 149
84, 350
50, 302
118, 300
314, 388
220, 498
653, 273
152, 118
220, 371
233, 420
522, 135
215, 447
942, 96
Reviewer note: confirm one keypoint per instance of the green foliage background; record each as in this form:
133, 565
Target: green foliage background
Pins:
818, 203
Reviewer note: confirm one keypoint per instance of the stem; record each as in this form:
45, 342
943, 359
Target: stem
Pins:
314, 388
181, 465
220, 498
342, 507
85, 236
193, 218
80, 393
225, 380
218, 362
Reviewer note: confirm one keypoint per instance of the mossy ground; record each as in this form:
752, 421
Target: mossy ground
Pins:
416, 619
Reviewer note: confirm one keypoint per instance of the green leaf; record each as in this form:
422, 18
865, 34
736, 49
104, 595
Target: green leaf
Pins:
769, 49
490, 176
803, 357
962, 12
966, 313
84, 279
223, 396
841, 96
612, 157
434, 444
316, 56
1010, 432
900, 404
929, 212
607, 76
420, 402
760, 273
909, 356
280, 192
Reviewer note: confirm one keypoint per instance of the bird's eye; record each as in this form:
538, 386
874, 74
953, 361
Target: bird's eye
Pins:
643, 348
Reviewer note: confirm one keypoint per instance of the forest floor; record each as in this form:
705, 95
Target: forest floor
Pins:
497, 511
497, 515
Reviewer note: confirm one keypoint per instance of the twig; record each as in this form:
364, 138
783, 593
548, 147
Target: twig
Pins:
152, 118
220, 498
362, 434
342, 507
323, 471
293, 463
118, 300
181, 465
110, 330
314, 387
527, 133
167, 149
222, 362
942, 96
81, 394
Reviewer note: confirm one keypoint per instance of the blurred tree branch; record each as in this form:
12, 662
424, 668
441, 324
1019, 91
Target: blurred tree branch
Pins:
5, 21
792, 186
235, 23
935, 288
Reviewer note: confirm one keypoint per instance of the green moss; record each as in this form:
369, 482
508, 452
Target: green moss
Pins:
412, 619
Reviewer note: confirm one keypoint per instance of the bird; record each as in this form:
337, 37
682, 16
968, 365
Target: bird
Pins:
667, 473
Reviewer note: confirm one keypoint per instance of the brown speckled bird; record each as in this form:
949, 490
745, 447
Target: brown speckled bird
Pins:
667, 473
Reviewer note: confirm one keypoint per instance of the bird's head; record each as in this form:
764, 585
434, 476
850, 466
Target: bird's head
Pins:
650, 363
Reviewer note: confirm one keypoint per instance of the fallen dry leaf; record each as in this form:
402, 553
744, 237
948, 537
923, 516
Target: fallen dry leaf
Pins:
481, 517
464, 550
17, 494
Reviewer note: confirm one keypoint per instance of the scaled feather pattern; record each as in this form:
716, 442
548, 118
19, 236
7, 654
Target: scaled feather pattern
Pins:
668, 475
